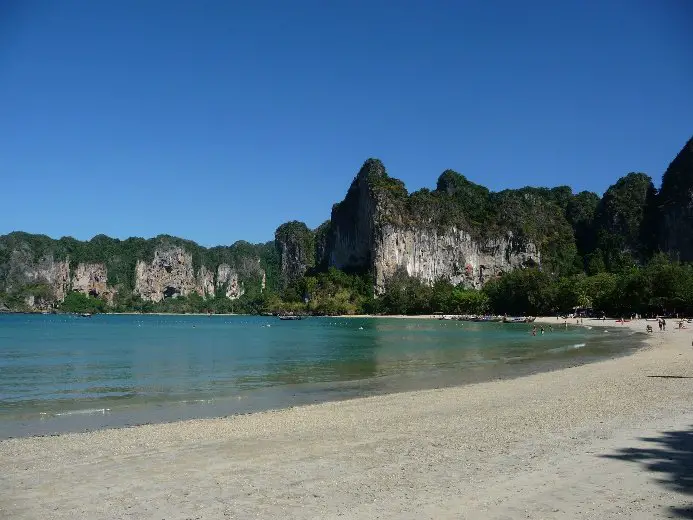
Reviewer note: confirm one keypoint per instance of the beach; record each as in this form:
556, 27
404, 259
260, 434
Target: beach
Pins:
611, 439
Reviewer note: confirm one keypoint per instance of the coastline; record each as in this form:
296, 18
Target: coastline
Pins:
547, 445
106, 415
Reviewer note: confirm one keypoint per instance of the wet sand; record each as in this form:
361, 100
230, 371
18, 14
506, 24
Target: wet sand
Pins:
612, 439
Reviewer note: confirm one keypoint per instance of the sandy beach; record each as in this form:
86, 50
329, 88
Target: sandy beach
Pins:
612, 439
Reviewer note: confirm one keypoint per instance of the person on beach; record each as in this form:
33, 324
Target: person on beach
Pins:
664, 325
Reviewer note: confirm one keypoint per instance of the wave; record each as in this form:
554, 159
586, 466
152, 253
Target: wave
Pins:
569, 347
84, 411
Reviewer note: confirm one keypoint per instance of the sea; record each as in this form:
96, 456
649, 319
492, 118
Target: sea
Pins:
66, 373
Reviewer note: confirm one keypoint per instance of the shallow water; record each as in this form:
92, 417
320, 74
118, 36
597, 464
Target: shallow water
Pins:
66, 373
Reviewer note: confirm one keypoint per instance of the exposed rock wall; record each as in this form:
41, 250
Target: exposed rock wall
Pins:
227, 281
295, 243
205, 282
169, 275
54, 273
453, 255
92, 279
363, 237
38, 271
676, 201
353, 224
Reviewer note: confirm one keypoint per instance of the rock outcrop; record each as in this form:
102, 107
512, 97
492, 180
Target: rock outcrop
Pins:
45, 279
228, 282
295, 243
452, 255
38, 272
169, 275
54, 273
48, 280
365, 236
622, 218
676, 202
92, 279
205, 282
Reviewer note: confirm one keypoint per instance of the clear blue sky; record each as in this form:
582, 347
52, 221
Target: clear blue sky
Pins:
218, 121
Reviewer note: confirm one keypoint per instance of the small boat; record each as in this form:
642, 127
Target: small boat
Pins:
85, 315
518, 319
290, 317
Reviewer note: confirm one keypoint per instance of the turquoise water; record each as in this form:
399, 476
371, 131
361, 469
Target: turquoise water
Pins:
67, 373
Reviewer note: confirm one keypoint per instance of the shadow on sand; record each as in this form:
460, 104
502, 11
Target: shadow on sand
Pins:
671, 457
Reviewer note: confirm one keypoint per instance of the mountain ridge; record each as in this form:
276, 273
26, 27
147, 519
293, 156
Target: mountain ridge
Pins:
460, 231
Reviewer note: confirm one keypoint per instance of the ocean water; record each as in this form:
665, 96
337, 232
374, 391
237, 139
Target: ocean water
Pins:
63, 373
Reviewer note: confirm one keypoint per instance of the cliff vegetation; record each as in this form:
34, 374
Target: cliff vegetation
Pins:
457, 248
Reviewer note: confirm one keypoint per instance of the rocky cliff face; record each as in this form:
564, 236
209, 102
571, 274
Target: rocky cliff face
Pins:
295, 243
50, 280
676, 203
452, 254
365, 236
354, 222
56, 274
171, 274
92, 279
38, 272
228, 283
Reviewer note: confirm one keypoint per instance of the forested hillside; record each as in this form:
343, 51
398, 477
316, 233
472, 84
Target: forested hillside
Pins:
456, 248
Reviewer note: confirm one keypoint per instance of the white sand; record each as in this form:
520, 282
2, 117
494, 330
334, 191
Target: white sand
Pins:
533, 447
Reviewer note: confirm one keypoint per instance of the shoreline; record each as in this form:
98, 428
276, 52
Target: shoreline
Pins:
551, 445
104, 415
546, 320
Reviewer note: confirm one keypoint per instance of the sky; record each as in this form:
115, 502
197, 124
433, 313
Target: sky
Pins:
217, 121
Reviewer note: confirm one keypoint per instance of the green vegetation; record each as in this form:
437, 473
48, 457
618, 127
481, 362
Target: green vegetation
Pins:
661, 286
298, 244
78, 302
20, 250
612, 253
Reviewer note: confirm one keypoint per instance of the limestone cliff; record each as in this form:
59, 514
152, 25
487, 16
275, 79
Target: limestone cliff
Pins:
228, 282
676, 203
38, 272
452, 254
205, 282
295, 243
374, 230
54, 273
46, 280
92, 279
171, 274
